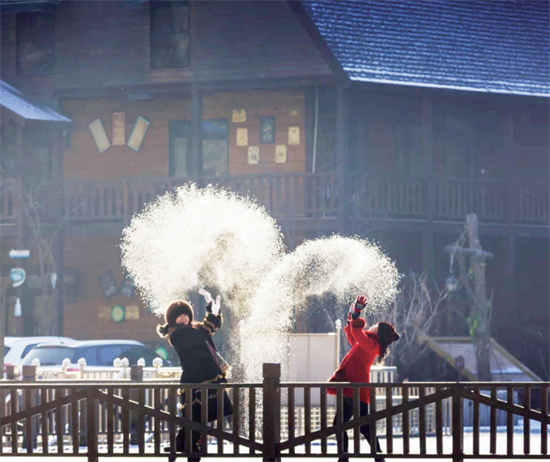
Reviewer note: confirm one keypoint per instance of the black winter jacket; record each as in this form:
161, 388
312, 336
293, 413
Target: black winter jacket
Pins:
196, 358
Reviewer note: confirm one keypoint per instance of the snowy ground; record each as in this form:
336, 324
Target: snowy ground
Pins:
397, 448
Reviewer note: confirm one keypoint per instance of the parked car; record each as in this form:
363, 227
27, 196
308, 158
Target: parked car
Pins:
100, 353
16, 348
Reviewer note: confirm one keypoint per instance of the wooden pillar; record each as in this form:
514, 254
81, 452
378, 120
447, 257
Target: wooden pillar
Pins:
509, 279
3, 286
58, 243
19, 238
196, 135
271, 409
341, 156
428, 236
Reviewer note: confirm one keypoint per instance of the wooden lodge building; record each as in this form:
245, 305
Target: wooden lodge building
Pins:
389, 120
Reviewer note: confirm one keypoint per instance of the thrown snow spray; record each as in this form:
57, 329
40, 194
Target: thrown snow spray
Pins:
192, 238
343, 267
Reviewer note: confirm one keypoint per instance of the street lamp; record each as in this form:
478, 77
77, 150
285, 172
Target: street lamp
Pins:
451, 283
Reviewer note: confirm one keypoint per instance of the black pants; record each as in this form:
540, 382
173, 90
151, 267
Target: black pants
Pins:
196, 408
348, 414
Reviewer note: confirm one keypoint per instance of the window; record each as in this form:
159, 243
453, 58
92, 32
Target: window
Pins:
50, 355
35, 43
27, 349
89, 354
215, 147
169, 34
136, 352
179, 149
107, 354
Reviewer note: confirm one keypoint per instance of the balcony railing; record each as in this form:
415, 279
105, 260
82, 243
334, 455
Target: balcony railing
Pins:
9, 200
302, 196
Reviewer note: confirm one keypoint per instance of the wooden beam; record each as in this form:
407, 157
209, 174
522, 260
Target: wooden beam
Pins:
341, 155
196, 134
428, 236
340, 75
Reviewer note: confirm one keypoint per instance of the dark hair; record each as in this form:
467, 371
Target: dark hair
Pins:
386, 336
174, 311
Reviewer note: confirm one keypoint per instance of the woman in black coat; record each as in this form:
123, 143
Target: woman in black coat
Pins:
197, 353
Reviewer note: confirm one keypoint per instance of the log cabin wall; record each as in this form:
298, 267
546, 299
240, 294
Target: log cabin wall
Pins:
108, 42
287, 106
39, 86
83, 161
84, 316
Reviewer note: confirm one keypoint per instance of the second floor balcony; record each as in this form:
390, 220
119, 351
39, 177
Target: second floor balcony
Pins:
310, 200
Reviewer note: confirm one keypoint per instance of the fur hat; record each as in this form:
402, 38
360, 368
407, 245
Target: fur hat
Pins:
387, 332
174, 311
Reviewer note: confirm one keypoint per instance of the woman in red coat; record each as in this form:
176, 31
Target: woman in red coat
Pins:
366, 346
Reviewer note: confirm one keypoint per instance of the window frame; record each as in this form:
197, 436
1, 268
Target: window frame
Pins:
158, 5
49, 15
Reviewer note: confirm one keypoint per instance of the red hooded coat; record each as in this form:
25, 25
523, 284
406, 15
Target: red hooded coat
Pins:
355, 367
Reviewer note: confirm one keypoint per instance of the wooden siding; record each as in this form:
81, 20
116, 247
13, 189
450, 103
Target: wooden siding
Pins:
83, 161
282, 105
7, 46
107, 44
91, 256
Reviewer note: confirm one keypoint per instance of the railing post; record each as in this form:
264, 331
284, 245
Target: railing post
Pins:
10, 372
458, 452
272, 377
136, 376
91, 426
28, 376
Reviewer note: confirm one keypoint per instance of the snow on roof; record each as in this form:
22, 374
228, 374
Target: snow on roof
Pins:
476, 45
16, 102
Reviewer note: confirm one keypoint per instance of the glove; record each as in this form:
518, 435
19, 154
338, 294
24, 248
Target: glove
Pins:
211, 305
359, 305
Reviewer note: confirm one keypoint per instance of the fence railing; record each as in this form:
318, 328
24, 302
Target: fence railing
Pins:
316, 195
140, 417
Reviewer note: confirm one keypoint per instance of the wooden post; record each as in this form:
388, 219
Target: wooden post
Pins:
10, 372
3, 285
341, 155
511, 199
29, 374
272, 377
19, 242
136, 375
58, 243
427, 196
196, 135
483, 345
91, 426
458, 451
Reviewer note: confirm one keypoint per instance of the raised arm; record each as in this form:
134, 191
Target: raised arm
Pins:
347, 330
213, 319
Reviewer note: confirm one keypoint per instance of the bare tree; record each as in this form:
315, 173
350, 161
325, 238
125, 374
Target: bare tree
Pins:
414, 313
43, 221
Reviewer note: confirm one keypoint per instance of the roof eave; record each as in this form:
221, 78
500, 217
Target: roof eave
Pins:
340, 75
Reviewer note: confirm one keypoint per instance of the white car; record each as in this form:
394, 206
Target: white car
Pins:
16, 348
97, 353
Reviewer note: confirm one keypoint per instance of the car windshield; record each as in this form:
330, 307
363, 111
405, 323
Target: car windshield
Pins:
49, 356
6, 350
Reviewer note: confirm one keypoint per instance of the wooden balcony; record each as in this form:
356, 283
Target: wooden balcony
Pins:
311, 201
